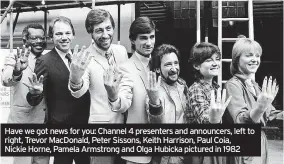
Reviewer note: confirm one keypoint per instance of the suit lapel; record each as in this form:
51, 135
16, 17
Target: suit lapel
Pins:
181, 89
97, 57
58, 62
141, 70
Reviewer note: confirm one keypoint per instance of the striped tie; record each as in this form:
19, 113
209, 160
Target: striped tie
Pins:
110, 58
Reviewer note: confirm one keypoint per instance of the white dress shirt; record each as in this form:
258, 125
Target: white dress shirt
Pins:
62, 55
144, 60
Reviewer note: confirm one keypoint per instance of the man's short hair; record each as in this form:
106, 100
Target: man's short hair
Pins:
97, 16
160, 52
25, 33
59, 19
141, 25
199, 53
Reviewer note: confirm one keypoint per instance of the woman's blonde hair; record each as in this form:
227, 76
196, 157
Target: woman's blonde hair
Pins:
243, 45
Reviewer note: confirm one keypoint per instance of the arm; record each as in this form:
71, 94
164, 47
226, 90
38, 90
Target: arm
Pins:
79, 75
77, 93
14, 66
238, 108
125, 93
155, 112
263, 104
272, 114
154, 105
9, 76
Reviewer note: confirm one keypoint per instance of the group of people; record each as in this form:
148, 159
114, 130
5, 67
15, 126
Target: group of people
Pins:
100, 84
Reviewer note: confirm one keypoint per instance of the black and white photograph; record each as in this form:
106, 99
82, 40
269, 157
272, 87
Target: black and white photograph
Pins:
141, 82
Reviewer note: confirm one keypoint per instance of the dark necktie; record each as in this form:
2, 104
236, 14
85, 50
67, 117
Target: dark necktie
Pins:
68, 57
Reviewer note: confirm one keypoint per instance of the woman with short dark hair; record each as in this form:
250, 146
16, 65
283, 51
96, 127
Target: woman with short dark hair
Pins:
203, 107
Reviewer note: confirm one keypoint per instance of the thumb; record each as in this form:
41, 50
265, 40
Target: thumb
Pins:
119, 78
26, 84
227, 102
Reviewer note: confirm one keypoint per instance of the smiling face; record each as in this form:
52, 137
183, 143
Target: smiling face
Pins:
62, 36
36, 40
144, 43
210, 67
249, 62
103, 34
170, 68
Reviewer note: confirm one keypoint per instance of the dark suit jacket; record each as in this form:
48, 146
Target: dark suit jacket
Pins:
62, 107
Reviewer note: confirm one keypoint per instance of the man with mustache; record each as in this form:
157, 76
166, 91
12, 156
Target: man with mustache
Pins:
129, 92
17, 69
83, 76
53, 70
167, 94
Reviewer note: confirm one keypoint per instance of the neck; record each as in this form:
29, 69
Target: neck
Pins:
146, 56
209, 80
167, 82
99, 47
249, 76
64, 51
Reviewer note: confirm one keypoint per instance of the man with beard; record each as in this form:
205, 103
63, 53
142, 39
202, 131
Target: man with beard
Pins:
167, 94
53, 70
18, 68
105, 56
129, 93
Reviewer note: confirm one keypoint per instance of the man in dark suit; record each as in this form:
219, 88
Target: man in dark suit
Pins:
53, 70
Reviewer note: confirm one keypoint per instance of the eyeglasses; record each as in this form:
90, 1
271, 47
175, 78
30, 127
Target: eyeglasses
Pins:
35, 38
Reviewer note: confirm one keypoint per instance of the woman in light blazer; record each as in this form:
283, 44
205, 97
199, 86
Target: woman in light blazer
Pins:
250, 104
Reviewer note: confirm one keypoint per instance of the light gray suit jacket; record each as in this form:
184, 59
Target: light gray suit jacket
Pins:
93, 81
132, 97
21, 111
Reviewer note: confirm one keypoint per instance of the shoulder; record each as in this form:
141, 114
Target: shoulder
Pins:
234, 81
195, 86
127, 65
48, 55
119, 49
197, 93
181, 81
182, 84
90, 48
196, 90
234, 86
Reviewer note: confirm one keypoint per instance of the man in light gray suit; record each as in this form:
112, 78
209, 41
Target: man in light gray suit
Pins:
88, 74
18, 68
130, 94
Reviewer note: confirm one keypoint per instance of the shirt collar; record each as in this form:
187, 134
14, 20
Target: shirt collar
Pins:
207, 85
144, 60
244, 79
32, 55
62, 54
249, 82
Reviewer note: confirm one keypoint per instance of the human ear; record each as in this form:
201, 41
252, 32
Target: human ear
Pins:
196, 66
